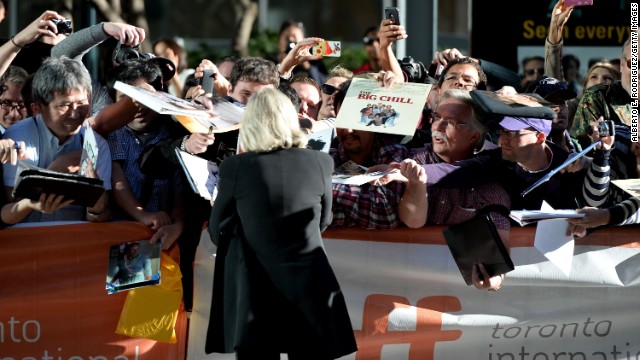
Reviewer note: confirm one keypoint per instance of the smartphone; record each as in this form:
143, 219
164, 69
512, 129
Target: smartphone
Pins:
578, 2
327, 48
206, 81
393, 14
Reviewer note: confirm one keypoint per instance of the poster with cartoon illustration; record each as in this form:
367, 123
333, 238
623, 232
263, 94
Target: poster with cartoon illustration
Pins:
368, 106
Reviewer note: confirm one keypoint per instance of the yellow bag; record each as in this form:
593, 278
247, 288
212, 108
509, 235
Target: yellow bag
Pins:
151, 312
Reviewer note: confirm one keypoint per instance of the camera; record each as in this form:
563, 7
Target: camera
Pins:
123, 53
414, 70
64, 26
605, 128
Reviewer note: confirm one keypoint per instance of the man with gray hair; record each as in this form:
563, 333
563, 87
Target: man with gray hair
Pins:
456, 133
54, 138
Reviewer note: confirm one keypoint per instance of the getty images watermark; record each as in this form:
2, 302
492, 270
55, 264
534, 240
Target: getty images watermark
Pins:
634, 72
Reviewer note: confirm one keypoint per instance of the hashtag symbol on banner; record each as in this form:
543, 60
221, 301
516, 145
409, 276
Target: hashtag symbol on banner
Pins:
375, 319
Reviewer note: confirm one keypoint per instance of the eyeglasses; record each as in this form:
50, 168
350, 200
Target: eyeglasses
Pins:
370, 40
328, 89
448, 123
513, 134
465, 80
9, 105
531, 72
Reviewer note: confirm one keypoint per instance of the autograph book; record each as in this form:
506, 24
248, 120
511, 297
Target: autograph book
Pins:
478, 241
132, 265
368, 106
194, 117
32, 181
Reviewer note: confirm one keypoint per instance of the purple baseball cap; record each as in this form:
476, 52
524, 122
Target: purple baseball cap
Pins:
519, 123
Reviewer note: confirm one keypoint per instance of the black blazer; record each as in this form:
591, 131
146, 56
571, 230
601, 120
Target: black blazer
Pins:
273, 285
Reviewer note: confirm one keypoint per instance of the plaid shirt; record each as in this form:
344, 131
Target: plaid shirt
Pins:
449, 206
368, 206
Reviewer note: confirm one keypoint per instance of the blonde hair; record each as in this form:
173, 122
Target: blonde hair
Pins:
339, 71
270, 122
615, 73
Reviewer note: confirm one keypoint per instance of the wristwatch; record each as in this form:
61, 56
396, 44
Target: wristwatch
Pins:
183, 144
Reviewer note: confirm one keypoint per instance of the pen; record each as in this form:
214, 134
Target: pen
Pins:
211, 130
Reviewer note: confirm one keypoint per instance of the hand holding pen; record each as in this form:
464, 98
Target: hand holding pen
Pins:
198, 143
12, 151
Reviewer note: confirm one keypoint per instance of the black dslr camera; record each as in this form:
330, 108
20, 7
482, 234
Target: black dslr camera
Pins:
605, 129
123, 53
415, 70
64, 26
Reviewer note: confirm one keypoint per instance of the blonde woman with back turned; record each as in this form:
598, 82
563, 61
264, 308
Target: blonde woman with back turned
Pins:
274, 290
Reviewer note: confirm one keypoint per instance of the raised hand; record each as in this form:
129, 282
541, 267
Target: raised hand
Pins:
42, 26
390, 33
127, 34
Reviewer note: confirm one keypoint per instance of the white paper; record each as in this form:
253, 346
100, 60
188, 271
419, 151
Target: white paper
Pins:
201, 174
552, 241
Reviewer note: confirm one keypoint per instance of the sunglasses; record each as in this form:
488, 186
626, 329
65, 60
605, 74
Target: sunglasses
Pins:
370, 40
513, 134
328, 89
531, 72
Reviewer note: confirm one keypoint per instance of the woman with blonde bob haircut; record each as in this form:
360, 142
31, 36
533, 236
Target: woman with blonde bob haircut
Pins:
274, 290
270, 122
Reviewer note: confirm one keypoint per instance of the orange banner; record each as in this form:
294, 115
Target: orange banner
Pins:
53, 302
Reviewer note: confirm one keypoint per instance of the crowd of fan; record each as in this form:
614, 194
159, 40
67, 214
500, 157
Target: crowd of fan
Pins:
458, 161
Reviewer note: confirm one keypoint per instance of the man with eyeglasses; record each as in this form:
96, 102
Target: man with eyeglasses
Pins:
53, 139
611, 102
524, 157
459, 73
457, 132
12, 108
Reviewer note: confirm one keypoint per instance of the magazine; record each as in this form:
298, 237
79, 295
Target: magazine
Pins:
368, 106
351, 173
89, 157
132, 265
193, 116
201, 174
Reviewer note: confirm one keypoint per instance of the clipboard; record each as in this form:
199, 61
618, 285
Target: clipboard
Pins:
83, 190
